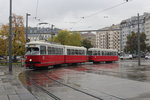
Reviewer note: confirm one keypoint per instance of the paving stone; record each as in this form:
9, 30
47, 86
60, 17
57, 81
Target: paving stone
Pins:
10, 91
4, 97
2, 88
13, 97
20, 91
2, 73
10, 87
26, 96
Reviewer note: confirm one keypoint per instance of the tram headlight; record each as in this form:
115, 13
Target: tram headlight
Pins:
30, 59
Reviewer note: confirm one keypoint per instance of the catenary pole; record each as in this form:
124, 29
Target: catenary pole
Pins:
10, 38
139, 53
27, 26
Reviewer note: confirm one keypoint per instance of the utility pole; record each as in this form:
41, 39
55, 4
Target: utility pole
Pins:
27, 26
139, 51
10, 38
52, 33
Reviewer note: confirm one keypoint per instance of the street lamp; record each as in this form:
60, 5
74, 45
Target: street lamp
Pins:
27, 26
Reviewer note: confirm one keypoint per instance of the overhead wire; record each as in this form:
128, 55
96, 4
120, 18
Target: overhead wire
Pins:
104, 10
98, 12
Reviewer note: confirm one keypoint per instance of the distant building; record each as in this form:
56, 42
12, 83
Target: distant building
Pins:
147, 30
131, 25
108, 39
89, 36
38, 33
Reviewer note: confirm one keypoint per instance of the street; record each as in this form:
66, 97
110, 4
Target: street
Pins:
122, 80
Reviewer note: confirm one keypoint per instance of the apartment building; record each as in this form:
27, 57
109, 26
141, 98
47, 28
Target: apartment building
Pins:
131, 25
109, 38
41, 33
147, 30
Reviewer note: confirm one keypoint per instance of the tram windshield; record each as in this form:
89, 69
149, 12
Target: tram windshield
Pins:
32, 51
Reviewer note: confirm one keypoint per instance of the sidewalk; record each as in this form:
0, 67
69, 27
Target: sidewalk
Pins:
10, 86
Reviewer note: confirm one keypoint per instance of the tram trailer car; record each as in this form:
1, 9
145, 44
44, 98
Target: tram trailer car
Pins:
42, 54
102, 55
75, 54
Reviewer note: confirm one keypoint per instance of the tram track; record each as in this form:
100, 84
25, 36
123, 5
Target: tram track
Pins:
96, 97
73, 88
35, 84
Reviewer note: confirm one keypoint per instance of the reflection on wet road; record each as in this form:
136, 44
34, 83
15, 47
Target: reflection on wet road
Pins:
117, 81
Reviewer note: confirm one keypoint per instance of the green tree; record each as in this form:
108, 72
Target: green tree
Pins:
65, 37
87, 44
18, 38
75, 39
132, 40
4, 40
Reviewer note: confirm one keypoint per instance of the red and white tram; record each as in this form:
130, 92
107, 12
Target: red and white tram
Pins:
44, 54
102, 55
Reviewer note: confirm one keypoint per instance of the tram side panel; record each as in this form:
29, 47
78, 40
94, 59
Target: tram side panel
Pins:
103, 58
76, 58
75, 54
49, 60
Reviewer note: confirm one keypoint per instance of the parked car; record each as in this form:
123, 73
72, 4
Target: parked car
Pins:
1, 57
126, 56
147, 57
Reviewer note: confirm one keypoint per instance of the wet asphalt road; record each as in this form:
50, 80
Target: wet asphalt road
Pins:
123, 80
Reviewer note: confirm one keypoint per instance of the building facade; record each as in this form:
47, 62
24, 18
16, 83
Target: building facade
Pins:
109, 38
131, 25
147, 30
38, 33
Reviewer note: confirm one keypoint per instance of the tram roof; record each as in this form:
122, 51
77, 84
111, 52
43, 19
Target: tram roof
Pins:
48, 43
99, 49
43, 43
75, 47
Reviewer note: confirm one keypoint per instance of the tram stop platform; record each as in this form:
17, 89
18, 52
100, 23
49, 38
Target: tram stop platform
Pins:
10, 86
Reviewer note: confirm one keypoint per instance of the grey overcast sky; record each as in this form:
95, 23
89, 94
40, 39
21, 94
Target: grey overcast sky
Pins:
74, 14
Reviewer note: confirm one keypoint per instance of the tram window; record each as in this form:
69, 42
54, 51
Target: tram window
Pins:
89, 52
55, 51
61, 51
103, 53
68, 51
82, 52
108, 53
76, 52
43, 50
32, 51
49, 50
52, 50
72, 52
99, 53
95, 53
